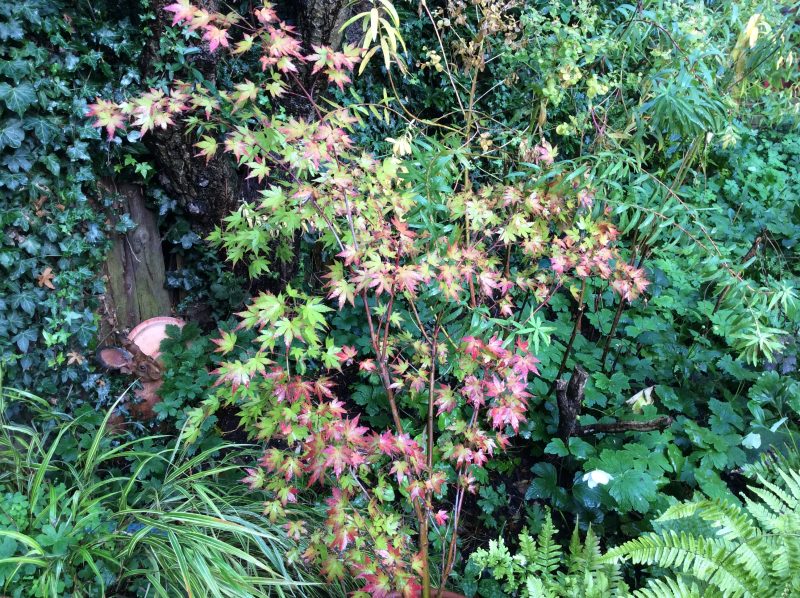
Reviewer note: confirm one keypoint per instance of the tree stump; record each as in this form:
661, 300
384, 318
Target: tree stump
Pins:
134, 268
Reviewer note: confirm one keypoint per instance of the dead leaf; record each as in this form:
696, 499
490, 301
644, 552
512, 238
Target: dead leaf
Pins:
45, 279
75, 358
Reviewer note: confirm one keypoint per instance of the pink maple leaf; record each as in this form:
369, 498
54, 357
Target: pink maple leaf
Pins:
182, 9
216, 37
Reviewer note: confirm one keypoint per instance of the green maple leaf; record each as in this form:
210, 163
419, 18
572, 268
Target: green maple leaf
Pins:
269, 308
289, 329
207, 146
312, 313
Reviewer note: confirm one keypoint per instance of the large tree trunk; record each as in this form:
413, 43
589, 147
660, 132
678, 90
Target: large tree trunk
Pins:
208, 192
321, 22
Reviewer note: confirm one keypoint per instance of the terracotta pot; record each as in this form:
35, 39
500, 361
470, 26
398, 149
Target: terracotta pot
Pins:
435, 594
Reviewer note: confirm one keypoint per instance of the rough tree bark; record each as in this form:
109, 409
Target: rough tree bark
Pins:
208, 192
321, 21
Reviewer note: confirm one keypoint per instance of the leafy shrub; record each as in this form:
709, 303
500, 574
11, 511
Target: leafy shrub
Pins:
457, 260
82, 514
691, 153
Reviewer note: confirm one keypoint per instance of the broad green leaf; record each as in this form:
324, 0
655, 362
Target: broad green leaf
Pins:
17, 98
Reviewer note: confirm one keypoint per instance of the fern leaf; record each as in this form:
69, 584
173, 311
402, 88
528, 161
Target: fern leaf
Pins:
548, 556
671, 588
706, 559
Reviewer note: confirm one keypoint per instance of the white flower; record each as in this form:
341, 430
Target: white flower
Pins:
641, 399
598, 476
752, 440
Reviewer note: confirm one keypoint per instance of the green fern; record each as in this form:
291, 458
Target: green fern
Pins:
542, 569
547, 557
754, 552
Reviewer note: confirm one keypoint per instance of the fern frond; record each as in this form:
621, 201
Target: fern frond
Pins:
591, 553
707, 559
618, 586
792, 481
669, 587
771, 461
681, 510
781, 500
735, 525
547, 557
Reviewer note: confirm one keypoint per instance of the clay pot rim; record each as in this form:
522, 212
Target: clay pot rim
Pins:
149, 325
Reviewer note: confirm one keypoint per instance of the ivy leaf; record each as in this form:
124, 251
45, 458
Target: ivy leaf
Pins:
18, 98
19, 160
11, 133
12, 29
52, 164
85, 331
77, 151
44, 129
633, 490
31, 245
24, 339
24, 300
16, 69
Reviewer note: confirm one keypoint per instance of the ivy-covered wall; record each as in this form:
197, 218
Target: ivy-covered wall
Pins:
54, 57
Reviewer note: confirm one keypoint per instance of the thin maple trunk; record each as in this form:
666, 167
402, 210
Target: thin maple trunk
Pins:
575, 328
423, 548
611, 333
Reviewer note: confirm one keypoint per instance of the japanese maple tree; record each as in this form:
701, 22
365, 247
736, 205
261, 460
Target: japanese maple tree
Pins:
428, 285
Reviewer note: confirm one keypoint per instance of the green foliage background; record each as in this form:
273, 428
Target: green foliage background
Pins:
694, 153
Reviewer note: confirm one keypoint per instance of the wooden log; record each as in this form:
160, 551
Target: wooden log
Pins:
134, 269
569, 397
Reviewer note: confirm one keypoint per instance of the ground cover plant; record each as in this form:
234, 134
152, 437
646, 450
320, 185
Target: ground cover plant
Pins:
84, 516
458, 270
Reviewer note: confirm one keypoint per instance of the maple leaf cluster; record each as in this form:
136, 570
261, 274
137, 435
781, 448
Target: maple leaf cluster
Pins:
505, 242
281, 53
313, 440
325, 446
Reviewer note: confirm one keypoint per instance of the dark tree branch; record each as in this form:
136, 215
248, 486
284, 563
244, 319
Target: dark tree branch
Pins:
570, 400
658, 423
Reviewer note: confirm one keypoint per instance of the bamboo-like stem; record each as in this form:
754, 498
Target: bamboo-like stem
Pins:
431, 393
